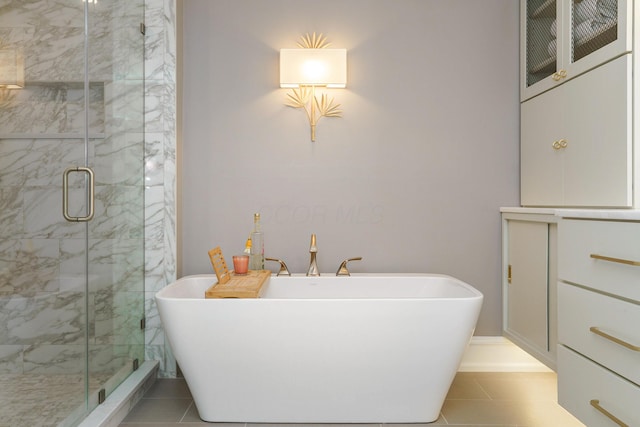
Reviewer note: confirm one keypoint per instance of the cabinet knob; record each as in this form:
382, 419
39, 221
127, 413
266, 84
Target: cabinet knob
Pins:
561, 143
560, 74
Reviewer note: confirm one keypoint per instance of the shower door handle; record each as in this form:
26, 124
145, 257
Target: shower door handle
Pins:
65, 194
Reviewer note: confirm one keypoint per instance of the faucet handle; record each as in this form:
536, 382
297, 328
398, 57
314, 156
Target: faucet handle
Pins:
342, 270
283, 266
313, 247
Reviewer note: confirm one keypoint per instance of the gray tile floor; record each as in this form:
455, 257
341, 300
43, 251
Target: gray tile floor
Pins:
475, 399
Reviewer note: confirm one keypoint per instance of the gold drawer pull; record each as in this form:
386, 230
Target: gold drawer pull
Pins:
616, 340
618, 260
596, 404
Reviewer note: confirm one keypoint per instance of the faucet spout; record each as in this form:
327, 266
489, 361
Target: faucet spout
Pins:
313, 265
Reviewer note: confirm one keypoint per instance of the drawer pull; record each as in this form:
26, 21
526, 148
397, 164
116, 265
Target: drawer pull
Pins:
596, 404
616, 340
618, 260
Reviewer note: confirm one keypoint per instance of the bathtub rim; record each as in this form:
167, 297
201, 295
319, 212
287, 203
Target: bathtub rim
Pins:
474, 292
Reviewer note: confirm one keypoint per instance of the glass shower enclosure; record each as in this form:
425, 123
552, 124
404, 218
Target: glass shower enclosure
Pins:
71, 205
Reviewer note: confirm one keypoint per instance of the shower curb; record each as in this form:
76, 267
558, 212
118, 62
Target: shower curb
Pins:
116, 407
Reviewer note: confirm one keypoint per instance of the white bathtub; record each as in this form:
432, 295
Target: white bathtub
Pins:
366, 348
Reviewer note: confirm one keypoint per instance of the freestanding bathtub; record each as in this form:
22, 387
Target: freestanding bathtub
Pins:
366, 348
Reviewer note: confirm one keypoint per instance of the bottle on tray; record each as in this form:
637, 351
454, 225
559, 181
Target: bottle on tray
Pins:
256, 257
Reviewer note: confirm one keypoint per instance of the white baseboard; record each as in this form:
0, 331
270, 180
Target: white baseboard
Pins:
498, 354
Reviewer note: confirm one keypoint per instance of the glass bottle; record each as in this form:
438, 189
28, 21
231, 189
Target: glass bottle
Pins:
256, 259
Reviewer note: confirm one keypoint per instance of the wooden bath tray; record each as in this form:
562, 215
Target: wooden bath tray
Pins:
248, 285
231, 285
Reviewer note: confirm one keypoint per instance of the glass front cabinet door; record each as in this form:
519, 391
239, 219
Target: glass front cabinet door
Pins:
562, 39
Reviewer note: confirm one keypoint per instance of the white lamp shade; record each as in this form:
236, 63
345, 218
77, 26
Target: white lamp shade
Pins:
313, 67
11, 69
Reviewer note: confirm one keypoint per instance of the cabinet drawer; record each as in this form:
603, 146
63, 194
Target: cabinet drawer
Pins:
581, 242
580, 310
581, 381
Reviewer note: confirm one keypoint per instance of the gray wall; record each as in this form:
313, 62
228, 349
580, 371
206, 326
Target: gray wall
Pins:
411, 178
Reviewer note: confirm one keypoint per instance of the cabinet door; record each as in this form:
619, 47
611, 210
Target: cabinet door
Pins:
597, 129
527, 289
576, 141
596, 31
541, 165
538, 45
561, 39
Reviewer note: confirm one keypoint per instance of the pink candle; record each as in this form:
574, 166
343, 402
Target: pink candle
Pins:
240, 264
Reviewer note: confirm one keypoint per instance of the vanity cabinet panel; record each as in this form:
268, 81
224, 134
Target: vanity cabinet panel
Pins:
561, 39
529, 249
576, 141
581, 382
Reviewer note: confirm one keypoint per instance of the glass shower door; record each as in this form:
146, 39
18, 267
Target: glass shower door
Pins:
115, 235
71, 292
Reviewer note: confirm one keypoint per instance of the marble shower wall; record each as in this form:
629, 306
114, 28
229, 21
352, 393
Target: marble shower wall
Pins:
160, 170
42, 257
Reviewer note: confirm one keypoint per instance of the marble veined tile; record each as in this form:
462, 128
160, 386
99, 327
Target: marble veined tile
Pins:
119, 159
154, 212
154, 13
124, 106
119, 212
59, 13
12, 163
106, 359
38, 162
48, 318
55, 44
11, 219
54, 359
43, 213
154, 53
115, 265
154, 266
55, 54
28, 266
153, 112
50, 109
154, 334
153, 159
118, 317
11, 359
127, 46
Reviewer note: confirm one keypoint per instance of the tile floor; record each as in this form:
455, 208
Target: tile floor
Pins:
475, 399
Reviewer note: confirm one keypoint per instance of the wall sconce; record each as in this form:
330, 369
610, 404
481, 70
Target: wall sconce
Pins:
11, 69
311, 66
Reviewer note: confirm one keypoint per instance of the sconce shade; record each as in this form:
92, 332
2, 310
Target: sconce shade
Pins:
11, 69
313, 67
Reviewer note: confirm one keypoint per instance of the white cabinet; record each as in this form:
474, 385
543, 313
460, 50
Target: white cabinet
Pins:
561, 39
599, 314
576, 141
529, 283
